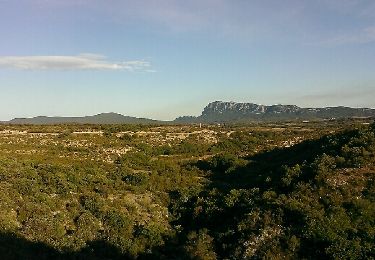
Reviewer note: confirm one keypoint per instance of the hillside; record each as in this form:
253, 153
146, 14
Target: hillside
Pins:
314, 200
104, 118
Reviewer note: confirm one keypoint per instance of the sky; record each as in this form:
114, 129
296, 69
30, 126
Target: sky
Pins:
166, 58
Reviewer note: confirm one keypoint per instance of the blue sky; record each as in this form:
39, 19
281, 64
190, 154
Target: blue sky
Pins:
166, 58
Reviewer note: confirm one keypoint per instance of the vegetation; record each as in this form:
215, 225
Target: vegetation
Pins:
293, 190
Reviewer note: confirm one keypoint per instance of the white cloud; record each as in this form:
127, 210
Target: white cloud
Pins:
78, 62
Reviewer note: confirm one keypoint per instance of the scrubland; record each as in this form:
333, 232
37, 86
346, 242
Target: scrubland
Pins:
283, 190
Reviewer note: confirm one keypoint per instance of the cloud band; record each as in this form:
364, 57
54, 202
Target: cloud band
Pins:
78, 62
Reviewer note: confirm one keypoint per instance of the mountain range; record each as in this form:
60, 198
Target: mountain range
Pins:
219, 111
216, 112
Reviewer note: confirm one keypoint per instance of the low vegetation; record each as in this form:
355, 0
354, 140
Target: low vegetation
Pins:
293, 190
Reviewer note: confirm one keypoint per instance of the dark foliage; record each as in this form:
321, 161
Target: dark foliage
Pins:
314, 200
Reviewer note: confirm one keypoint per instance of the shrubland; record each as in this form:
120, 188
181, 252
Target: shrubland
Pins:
295, 191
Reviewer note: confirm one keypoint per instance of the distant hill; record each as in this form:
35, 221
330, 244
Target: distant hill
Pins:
104, 118
215, 112
219, 111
